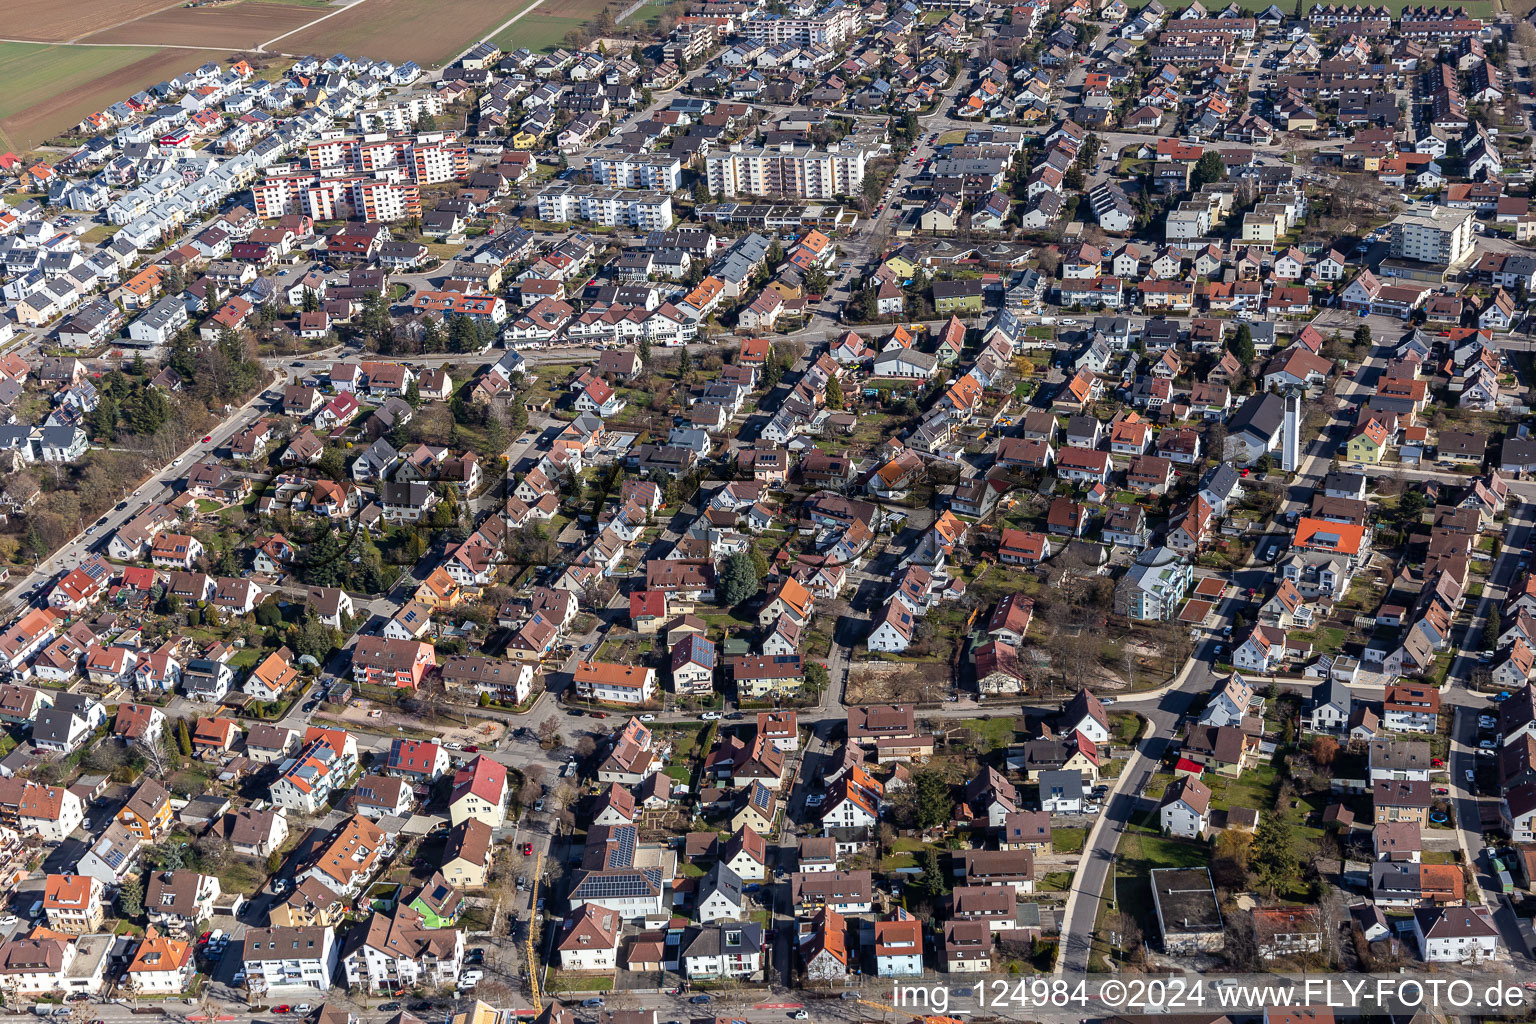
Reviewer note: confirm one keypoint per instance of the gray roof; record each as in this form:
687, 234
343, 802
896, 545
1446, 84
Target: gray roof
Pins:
716, 939
1066, 784
1260, 415
722, 880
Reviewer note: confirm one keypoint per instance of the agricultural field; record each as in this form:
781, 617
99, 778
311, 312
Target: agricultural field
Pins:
50, 88
581, 10
540, 32
430, 32
52, 21
237, 26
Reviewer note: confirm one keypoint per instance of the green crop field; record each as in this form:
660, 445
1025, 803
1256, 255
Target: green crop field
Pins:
539, 32
35, 72
50, 88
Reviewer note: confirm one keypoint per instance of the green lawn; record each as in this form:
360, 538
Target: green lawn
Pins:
989, 733
1068, 840
241, 876
1054, 881
541, 33
576, 983
1126, 726
38, 74
34, 72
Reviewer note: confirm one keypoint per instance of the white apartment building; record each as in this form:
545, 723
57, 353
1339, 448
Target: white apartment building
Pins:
385, 195
1434, 234
401, 116
276, 957
656, 172
785, 170
396, 951
829, 28
307, 783
610, 207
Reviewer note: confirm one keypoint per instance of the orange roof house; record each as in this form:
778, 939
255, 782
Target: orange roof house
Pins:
439, 590
274, 676
161, 964
1325, 535
147, 814
754, 351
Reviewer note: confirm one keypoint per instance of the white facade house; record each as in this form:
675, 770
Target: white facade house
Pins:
1185, 810
899, 946
589, 939
285, 957
1455, 934
725, 949
52, 812
396, 950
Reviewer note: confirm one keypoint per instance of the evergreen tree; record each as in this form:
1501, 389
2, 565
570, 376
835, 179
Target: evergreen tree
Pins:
496, 439
1242, 345
102, 421
738, 580
322, 567
130, 897
684, 363
643, 350
834, 393
933, 804
1493, 625
1208, 170
1272, 859
932, 880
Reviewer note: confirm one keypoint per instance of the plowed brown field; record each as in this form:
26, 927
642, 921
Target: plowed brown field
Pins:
56, 20
239, 27
426, 31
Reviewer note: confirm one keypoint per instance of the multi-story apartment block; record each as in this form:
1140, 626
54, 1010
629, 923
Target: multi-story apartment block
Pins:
280, 957
383, 196
1434, 234
397, 950
658, 173
610, 207
829, 28
785, 170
